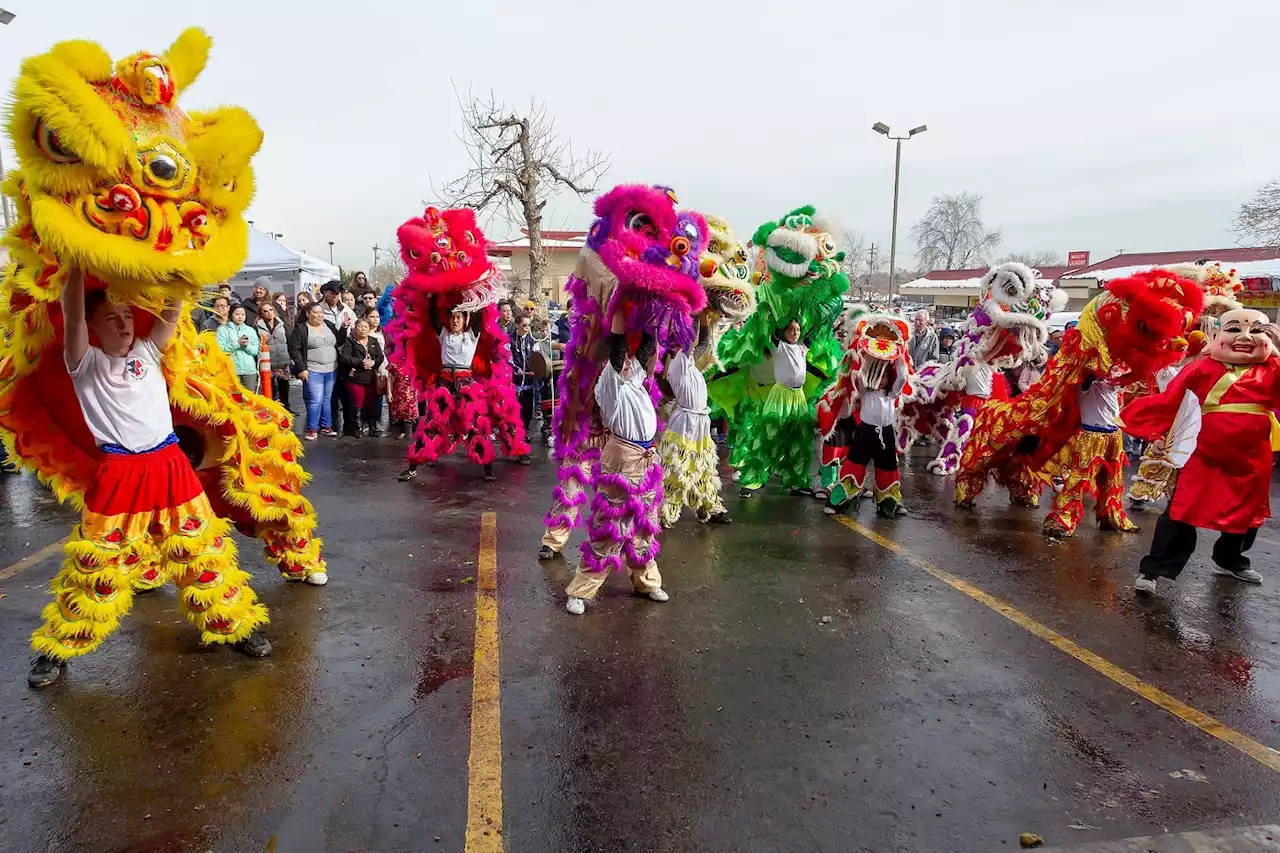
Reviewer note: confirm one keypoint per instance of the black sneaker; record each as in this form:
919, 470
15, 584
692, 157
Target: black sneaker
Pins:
746, 493
525, 460
256, 645
721, 517
408, 474
545, 553
44, 671
489, 476
889, 508
808, 493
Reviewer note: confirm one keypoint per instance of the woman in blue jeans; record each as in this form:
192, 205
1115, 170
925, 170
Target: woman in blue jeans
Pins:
313, 351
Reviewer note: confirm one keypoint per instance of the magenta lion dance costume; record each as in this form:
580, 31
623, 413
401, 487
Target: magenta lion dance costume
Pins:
635, 294
446, 336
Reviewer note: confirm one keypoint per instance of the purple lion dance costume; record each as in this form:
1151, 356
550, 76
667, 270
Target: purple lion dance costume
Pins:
635, 293
445, 337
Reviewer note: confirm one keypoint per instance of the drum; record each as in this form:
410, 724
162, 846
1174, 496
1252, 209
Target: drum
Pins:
540, 365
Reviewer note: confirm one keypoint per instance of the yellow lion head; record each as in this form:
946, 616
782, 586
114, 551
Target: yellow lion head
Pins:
116, 178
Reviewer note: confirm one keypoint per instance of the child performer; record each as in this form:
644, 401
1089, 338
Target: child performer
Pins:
624, 511
1225, 485
690, 461
858, 416
144, 501
780, 434
457, 352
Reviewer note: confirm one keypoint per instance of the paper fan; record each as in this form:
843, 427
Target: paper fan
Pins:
1181, 442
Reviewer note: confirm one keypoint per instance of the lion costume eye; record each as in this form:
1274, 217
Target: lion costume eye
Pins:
415, 254
691, 231
47, 142
640, 221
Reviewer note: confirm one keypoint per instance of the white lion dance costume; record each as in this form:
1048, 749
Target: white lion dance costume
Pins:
147, 201
1007, 329
690, 461
857, 415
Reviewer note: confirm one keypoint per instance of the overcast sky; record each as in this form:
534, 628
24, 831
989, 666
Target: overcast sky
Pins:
1090, 124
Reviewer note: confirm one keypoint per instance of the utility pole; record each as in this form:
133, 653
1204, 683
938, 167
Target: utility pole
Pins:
376, 250
882, 128
871, 266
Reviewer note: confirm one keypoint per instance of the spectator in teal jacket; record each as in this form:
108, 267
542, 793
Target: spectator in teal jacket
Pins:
242, 343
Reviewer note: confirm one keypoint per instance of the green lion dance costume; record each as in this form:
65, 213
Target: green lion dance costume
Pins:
772, 377
146, 201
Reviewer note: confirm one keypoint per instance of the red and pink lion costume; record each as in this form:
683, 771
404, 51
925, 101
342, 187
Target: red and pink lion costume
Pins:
448, 271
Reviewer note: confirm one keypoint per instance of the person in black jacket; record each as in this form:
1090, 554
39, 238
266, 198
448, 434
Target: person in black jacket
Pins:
358, 361
316, 366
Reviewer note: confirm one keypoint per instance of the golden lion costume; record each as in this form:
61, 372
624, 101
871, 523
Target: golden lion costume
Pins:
117, 180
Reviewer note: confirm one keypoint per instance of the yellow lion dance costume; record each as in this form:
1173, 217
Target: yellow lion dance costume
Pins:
147, 200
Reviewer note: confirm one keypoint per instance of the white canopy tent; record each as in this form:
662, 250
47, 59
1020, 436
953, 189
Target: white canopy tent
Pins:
291, 271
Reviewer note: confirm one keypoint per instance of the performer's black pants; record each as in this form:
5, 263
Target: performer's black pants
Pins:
1175, 541
874, 444
528, 403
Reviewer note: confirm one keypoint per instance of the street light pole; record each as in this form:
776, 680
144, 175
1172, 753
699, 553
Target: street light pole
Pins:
882, 128
331, 251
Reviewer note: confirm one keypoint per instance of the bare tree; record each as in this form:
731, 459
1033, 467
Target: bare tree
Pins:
862, 263
519, 162
1041, 258
1259, 218
390, 271
952, 236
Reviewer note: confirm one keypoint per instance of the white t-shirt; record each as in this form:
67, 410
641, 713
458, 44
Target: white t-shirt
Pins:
978, 380
626, 409
789, 362
691, 418
458, 351
878, 406
125, 399
1100, 405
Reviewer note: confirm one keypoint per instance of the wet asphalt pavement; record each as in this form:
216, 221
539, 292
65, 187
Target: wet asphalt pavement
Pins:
732, 718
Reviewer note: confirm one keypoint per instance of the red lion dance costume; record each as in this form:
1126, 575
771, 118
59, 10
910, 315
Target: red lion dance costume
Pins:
1138, 326
857, 416
450, 273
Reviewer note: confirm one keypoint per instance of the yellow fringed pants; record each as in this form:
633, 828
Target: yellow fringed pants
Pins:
185, 542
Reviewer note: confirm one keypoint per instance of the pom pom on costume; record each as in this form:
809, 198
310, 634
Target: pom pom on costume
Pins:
1007, 329
449, 273
641, 263
857, 415
690, 460
116, 179
1135, 328
798, 279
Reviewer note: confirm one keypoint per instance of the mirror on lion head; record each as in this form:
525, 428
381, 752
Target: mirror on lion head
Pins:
1246, 337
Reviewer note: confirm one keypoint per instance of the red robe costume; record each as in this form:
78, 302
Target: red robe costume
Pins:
1226, 483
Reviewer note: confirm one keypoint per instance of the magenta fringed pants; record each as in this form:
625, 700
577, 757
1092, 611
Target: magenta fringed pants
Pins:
624, 527
574, 476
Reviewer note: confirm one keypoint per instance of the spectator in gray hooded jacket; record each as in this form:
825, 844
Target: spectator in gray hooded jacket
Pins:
275, 335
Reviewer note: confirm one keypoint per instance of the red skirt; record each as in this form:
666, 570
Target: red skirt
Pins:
142, 482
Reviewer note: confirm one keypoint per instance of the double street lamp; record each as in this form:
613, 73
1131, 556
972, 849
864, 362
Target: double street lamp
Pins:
882, 128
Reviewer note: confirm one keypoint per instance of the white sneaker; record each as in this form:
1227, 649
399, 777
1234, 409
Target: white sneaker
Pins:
1244, 575
576, 606
317, 579
658, 595
1142, 583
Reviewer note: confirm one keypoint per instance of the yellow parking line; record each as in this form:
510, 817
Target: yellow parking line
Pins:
1263, 755
484, 764
29, 561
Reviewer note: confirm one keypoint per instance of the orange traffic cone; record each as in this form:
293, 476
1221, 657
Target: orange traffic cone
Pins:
264, 368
